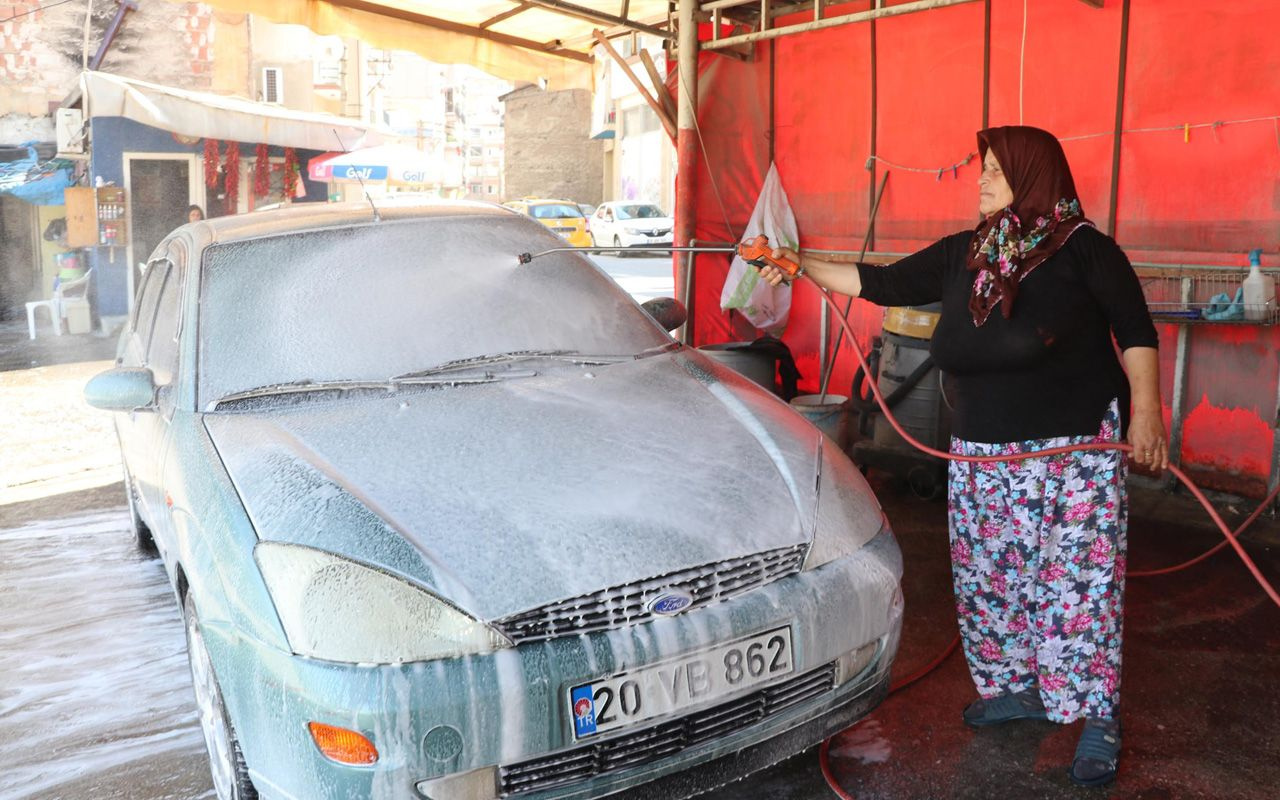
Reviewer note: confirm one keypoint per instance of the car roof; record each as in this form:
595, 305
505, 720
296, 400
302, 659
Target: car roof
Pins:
310, 216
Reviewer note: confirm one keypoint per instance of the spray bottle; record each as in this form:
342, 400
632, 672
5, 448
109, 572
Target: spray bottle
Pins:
1259, 290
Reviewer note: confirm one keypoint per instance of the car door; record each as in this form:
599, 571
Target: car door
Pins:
602, 226
162, 358
132, 352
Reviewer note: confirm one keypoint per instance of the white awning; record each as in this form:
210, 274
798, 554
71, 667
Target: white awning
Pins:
213, 116
516, 40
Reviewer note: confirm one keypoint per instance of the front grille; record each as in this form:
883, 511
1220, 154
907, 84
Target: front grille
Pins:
619, 606
660, 741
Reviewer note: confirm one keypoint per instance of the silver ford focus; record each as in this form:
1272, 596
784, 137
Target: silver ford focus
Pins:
448, 526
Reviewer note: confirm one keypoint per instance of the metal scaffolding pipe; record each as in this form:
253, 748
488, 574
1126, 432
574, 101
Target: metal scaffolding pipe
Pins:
598, 17
686, 150
832, 22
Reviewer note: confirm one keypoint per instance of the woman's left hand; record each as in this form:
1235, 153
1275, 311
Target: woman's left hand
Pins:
1146, 434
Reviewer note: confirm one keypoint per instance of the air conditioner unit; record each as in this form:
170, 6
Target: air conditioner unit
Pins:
272, 85
70, 132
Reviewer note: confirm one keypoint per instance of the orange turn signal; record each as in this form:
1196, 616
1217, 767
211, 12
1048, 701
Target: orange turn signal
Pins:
342, 745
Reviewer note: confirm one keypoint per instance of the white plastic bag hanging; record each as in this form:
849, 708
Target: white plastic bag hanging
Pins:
765, 306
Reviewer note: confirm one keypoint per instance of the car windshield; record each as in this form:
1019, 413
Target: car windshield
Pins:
554, 211
639, 212
373, 301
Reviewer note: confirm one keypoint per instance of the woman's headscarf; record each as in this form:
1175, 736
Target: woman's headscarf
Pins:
1011, 243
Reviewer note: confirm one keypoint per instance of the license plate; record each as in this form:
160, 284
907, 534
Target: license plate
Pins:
675, 686
659, 240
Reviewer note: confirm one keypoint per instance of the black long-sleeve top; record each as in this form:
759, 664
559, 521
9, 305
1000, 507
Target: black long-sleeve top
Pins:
1050, 369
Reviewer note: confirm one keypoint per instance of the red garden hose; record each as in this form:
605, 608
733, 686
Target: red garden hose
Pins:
1230, 537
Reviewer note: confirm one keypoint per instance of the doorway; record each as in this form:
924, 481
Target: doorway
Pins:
19, 263
160, 187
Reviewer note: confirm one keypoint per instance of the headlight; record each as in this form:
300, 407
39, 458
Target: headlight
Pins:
849, 515
335, 609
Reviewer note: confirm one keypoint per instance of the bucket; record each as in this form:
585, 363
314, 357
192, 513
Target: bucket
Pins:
69, 268
828, 412
752, 364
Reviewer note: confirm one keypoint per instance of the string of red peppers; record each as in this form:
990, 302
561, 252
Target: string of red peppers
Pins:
211, 159
261, 172
290, 172
231, 169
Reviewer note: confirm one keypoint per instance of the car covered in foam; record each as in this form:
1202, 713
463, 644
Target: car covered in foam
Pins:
446, 525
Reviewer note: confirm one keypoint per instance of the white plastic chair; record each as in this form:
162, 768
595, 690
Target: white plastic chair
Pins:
61, 292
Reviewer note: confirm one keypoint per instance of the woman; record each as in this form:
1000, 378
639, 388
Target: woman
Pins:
194, 213
1030, 301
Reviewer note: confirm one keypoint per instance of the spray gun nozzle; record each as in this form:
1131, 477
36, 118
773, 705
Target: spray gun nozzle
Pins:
525, 258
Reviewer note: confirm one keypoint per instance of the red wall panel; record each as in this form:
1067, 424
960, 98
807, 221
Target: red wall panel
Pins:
1206, 200
1191, 62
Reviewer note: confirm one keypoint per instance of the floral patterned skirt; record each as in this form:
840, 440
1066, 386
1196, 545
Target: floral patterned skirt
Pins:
1038, 560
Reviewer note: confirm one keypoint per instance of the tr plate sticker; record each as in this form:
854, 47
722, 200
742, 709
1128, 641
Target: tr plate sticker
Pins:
584, 711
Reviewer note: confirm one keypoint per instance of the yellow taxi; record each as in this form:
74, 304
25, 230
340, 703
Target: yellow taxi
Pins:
562, 216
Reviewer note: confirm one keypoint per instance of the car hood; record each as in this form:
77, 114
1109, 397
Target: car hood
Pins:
504, 496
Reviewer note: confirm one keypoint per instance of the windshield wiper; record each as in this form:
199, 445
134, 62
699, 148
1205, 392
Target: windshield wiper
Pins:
574, 356
300, 387
309, 387
665, 347
479, 361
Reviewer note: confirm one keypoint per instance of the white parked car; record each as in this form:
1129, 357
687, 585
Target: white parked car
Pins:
627, 223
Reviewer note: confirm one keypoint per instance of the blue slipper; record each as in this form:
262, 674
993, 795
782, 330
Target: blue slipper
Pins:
1097, 754
1005, 708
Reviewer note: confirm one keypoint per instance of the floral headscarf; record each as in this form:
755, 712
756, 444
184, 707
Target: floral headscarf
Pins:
1045, 211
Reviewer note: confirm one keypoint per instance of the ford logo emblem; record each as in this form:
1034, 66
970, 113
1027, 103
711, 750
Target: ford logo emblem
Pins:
670, 602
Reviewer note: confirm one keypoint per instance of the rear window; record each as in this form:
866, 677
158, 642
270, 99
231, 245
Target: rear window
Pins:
554, 211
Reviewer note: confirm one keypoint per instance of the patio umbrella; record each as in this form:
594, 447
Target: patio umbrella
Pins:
389, 164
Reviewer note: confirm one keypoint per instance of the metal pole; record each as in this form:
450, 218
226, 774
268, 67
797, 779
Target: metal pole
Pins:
686, 330
686, 148
1178, 401
866, 240
1119, 126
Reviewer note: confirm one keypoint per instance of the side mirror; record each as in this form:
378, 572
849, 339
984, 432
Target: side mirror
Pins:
668, 312
122, 389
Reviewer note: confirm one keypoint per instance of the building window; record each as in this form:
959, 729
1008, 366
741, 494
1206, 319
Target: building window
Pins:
328, 73
491, 189
638, 120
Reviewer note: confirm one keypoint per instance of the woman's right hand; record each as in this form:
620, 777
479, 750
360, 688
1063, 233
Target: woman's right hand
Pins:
774, 275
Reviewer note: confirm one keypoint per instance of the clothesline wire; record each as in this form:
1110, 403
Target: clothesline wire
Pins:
1274, 119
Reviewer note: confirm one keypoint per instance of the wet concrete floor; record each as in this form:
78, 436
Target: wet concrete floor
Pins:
95, 698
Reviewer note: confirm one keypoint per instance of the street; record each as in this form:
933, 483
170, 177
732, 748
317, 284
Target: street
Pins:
644, 276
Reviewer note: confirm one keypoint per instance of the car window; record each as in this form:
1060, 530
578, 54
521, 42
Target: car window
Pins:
639, 211
367, 302
554, 211
162, 352
144, 310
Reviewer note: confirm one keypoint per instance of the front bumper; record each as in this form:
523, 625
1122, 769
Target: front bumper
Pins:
435, 721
